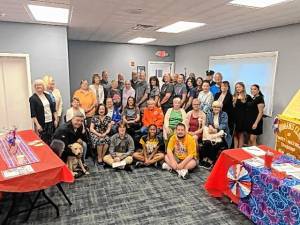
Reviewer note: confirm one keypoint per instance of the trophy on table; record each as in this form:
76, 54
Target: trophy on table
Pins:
11, 139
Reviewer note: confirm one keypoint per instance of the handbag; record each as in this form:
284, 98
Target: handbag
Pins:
213, 138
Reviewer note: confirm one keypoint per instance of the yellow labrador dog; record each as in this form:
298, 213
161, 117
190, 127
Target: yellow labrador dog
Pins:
74, 161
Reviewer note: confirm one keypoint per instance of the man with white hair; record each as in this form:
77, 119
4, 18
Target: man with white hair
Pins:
216, 87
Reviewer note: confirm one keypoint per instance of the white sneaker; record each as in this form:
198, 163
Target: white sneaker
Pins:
183, 173
165, 166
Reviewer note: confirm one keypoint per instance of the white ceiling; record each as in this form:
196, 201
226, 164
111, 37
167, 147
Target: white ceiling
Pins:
113, 20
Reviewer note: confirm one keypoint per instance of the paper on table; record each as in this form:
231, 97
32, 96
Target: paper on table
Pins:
289, 169
36, 143
254, 150
18, 171
286, 167
295, 174
296, 187
255, 162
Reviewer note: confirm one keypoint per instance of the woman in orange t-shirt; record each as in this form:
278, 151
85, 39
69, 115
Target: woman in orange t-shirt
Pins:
87, 99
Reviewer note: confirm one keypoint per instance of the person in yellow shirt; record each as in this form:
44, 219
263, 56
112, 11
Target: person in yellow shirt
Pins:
181, 152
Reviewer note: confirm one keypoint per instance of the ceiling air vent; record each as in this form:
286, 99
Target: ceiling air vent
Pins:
143, 27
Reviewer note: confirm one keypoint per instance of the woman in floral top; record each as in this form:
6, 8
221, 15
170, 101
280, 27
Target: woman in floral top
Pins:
100, 128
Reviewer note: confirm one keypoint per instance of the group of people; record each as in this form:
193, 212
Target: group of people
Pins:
185, 122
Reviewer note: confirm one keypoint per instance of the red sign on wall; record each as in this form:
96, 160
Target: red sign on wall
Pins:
162, 54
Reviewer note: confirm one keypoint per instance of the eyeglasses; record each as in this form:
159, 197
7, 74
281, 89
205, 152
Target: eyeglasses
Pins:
196, 104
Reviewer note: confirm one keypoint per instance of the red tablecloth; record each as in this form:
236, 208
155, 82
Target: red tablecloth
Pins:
217, 183
49, 171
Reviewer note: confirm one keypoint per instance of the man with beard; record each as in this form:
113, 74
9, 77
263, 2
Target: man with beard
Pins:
181, 152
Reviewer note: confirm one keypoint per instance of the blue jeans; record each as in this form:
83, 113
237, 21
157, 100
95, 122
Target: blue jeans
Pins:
144, 130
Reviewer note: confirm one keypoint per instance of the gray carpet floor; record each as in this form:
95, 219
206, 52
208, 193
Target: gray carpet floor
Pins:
144, 196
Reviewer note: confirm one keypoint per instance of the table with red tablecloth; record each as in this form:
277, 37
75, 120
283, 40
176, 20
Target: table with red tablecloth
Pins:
272, 200
48, 171
217, 183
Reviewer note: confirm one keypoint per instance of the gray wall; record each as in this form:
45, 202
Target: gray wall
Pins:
285, 39
86, 58
47, 47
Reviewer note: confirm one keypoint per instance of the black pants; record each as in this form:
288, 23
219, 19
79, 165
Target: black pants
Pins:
211, 150
46, 134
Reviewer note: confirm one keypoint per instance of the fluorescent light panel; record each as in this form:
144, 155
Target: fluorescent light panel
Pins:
257, 3
141, 40
49, 14
180, 26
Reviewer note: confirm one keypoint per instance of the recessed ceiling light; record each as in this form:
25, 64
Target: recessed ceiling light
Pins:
141, 40
180, 26
49, 14
257, 3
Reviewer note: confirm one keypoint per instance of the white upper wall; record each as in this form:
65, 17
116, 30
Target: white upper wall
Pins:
194, 57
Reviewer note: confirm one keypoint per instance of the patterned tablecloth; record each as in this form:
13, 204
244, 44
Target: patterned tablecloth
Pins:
273, 200
22, 149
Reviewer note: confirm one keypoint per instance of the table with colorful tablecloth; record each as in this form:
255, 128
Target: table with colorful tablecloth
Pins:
272, 199
48, 169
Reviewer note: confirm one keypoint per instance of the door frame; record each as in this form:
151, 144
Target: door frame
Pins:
28, 73
26, 57
162, 62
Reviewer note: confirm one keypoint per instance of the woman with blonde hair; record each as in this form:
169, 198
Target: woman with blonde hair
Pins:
54, 93
216, 135
240, 100
97, 88
43, 112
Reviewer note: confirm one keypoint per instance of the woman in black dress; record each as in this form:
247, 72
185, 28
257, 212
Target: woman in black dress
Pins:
166, 93
225, 97
255, 112
240, 100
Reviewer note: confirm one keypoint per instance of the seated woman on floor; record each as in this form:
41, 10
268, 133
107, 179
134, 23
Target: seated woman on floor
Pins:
173, 117
100, 128
131, 116
152, 151
216, 135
